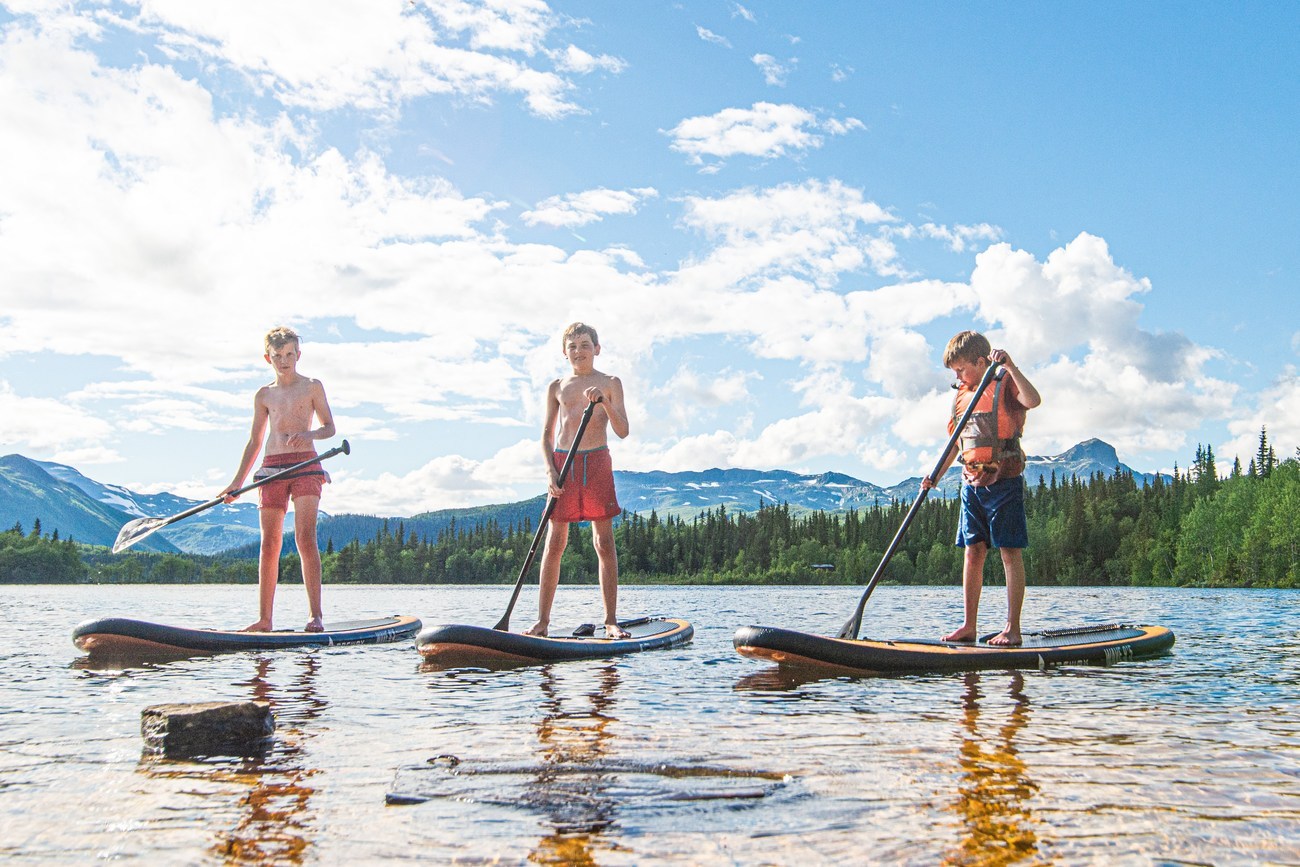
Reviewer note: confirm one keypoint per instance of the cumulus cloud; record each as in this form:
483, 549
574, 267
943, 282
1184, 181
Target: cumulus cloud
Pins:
578, 209
691, 393
50, 429
1073, 320
765, 130
445, 482
1276, 410
149, 223
376, 56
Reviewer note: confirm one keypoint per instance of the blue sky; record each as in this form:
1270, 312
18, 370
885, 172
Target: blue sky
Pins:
775, 213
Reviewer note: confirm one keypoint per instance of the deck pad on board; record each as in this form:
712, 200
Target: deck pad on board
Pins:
1089, 644
123, 636
461, 644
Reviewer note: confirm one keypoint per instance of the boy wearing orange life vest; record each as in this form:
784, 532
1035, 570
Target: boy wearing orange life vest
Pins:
993, 489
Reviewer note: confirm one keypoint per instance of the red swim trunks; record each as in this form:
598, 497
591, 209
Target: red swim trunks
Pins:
306, 482
588, 493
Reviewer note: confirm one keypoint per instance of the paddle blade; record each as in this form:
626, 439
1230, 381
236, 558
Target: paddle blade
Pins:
134, 531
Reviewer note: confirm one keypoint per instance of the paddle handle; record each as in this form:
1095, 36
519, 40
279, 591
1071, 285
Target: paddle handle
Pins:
504, 623
134, 531
854, 623
343, 449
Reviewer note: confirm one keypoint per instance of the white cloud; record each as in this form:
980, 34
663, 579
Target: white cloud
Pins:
148, 223
376, 56
774, 71
709, 36
1276, 410
764, 130
445, 482
574, 59
44, 427
691, 393
578, 209
1072, 322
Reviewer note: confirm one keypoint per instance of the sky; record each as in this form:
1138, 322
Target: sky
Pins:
775, 214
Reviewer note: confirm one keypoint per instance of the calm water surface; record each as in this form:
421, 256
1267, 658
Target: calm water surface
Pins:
692, 755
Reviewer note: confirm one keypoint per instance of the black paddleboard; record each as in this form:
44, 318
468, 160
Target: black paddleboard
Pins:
122, 637
1085, 644
459, 644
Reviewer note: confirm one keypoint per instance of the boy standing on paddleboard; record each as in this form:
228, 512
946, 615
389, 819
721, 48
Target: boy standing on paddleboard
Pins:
283, 412
588, 493
993, 487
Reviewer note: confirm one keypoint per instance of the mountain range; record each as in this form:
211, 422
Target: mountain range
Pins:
91, 512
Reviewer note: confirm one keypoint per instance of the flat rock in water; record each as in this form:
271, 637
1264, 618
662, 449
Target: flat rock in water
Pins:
209, 728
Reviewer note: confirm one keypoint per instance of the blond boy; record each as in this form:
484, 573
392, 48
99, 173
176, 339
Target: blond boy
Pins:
283, 413
992, 494
588, 494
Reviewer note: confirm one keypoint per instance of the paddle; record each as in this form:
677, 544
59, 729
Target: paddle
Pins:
504, 623
134, 531
854, 623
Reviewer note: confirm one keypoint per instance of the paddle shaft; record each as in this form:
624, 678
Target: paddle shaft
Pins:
202, 507
854, 623
504, 623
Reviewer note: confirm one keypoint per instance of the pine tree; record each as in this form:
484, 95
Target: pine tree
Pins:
1264, 456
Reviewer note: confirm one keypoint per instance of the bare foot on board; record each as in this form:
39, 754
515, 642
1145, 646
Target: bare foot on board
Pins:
259, 626
1007, 638
962, 634
314, 625
538, 629
613, 630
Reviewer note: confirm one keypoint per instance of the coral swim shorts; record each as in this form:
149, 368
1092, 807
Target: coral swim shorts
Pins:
588, 492
306, 482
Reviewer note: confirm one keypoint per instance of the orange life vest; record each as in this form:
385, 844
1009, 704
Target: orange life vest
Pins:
990, 442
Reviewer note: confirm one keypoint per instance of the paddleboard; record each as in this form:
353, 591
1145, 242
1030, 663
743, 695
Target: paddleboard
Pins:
1086, 644
120, 636
459, 644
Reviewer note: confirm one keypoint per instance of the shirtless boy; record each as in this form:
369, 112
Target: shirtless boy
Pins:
283, 412
993, 487
588, 493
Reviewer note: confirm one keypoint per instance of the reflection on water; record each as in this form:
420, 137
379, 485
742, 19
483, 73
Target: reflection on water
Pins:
574, 733
665, 757
998, 826
274, 824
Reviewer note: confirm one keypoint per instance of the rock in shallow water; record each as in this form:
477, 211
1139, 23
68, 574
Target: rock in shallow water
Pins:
210, 728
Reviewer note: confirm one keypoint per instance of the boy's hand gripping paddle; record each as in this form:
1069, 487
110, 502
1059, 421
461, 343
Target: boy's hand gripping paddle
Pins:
854, 623
134, 531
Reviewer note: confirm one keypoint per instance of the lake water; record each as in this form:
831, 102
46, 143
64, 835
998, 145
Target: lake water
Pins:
693, 755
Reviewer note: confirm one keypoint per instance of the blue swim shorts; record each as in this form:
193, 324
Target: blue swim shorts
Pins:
994, 515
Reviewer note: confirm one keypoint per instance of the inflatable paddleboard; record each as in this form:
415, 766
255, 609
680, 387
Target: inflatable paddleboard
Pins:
458, 644
1085, 644
122, 637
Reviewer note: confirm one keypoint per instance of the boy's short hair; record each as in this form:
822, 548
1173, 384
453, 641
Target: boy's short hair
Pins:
579, 328
969, 346
279, 336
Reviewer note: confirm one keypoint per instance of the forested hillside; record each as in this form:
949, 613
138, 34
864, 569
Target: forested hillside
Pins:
1196, 530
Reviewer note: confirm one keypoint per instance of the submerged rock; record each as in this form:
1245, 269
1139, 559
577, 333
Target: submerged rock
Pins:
210, 728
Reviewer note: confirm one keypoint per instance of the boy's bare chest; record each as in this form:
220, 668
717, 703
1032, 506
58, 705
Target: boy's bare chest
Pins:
573, 389
289, 400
